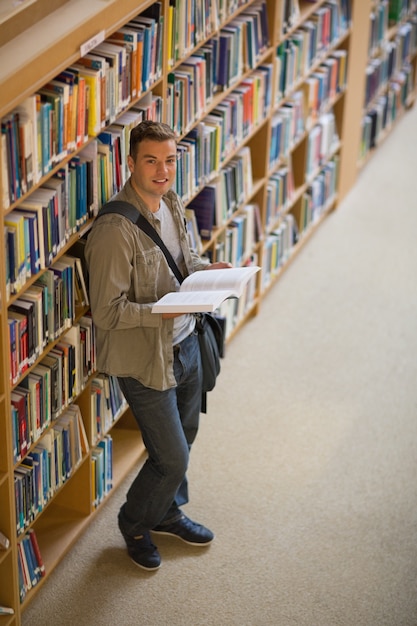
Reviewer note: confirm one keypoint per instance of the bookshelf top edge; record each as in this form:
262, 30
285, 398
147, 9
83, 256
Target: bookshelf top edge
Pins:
52, 44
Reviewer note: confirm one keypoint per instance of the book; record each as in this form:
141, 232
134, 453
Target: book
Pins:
37, 552
4, 541
204, 207
204, 291
6, 610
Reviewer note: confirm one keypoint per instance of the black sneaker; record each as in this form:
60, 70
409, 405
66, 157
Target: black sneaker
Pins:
142, 551
186, 530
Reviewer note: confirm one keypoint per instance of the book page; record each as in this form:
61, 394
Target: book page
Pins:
190, 301
231, 279
205, 290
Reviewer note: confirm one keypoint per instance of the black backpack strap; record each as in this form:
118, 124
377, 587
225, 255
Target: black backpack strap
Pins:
118, 206
149, 230
128, 210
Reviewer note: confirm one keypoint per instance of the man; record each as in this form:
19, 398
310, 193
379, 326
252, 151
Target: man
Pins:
155, 357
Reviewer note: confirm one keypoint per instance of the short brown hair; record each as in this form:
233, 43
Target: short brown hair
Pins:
148, 129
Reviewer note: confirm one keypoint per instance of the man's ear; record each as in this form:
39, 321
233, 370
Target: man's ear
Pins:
130, 163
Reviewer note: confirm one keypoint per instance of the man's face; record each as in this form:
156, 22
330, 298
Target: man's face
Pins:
153, 171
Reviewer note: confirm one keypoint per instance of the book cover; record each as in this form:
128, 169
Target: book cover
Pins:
204, 207
4, 541
52, 363
27, 309
33, 382
15, 223
19, 401
20, 342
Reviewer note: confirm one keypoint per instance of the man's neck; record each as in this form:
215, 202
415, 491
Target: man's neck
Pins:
152, 202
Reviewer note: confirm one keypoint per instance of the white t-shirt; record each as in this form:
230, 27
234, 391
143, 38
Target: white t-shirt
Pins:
183, 324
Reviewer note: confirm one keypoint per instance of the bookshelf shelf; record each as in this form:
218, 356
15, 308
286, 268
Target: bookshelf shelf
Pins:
281, 133
9, 9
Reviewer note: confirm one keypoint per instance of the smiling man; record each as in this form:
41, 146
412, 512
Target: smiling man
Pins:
155, 357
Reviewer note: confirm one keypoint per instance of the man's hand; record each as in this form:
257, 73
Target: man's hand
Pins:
220, 265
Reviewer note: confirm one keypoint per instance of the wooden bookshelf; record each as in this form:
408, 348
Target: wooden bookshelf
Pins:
294, 186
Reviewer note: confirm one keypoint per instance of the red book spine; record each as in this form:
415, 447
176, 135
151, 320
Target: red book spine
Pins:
38, 555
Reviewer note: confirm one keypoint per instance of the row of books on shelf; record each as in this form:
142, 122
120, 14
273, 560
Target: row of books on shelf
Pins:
50, 388
322, 141
297, 54
215, 66
319, 195
220, 134
340, 14
316, 199
102, 469
190, 22
288, 127
243, 109
48, 465
48, 468
223, 131
277, 249
78, 104
30, 564
82, 183
385, 110
217, 201
325, 83
279, 193
399, 9
378, 26
393, 57
106, 406
44, 311
43, 223
52, 385
38, 228
192, 85
36, 136
56, 455
236, 243
304, 106
290, 14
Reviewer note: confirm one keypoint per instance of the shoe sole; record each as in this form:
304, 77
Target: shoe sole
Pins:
199, 544
147, 569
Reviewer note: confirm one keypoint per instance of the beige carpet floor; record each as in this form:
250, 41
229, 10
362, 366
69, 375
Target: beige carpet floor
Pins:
306, 464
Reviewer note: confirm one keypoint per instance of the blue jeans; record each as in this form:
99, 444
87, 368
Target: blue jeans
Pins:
168, 421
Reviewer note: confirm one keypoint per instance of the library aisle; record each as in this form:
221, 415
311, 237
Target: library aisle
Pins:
306, 462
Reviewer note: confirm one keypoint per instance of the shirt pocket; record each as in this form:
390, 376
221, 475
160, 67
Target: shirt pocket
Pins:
147, 270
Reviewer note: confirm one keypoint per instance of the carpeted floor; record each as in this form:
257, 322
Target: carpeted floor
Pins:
306, 464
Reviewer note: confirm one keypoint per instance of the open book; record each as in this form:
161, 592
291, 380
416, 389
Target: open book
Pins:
205, 290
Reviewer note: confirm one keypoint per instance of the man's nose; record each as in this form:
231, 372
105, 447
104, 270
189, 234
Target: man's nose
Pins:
161, 167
